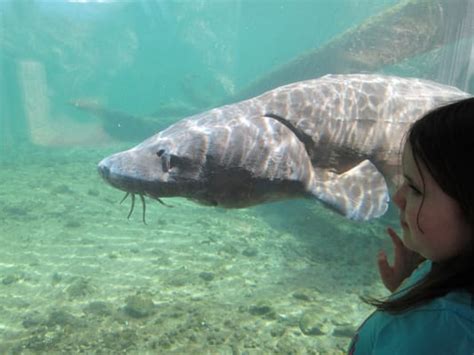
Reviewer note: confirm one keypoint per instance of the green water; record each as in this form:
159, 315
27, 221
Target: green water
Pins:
76, 275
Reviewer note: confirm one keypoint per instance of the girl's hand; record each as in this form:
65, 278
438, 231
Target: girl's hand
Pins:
405, 262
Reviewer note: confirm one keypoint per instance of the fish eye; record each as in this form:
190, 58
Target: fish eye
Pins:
160, 152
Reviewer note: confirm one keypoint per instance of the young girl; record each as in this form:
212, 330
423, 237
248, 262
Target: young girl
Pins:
431, 311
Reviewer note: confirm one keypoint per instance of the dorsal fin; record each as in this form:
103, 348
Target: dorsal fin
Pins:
303, 137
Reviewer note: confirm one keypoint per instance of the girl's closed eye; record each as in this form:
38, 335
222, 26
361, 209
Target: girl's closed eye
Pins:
412, 186
414, 189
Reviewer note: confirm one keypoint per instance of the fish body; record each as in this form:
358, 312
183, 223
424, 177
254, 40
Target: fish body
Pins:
336, 138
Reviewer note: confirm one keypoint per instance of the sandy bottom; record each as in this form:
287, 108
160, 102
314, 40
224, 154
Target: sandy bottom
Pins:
77, 276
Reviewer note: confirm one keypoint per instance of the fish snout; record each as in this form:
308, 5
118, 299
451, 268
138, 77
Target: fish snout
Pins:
103, 169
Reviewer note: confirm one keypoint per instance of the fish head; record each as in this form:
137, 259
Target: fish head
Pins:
167, 164
236, 162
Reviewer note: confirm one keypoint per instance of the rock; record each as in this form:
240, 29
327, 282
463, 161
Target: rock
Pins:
262, 309
93, 192
120, 340
278, 331
62, 189
345, 331
139, 306
302, 296
80, 287
72, 223
10, 279
33, 319
98, 308
113, 255
62, 318
229, 249
206, 276
311, 324
16, 212
250, 252
56, 278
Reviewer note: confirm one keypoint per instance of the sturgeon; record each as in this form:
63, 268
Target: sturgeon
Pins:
335, 139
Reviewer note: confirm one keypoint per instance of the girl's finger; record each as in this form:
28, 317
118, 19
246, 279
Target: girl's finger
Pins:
395, 238
384, 267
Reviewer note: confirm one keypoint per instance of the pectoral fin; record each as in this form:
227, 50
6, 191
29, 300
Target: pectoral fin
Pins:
360, 193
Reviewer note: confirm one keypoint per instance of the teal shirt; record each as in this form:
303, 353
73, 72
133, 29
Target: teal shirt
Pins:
443, 326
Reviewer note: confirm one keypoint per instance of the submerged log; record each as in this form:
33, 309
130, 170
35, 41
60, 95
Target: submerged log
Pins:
402, 31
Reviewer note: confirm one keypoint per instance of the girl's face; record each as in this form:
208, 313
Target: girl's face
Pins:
438, 230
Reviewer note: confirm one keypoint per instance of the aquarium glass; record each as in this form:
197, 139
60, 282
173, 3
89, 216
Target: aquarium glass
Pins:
83, 79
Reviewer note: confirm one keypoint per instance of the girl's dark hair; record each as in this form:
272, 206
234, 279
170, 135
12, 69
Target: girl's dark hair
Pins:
443, 141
